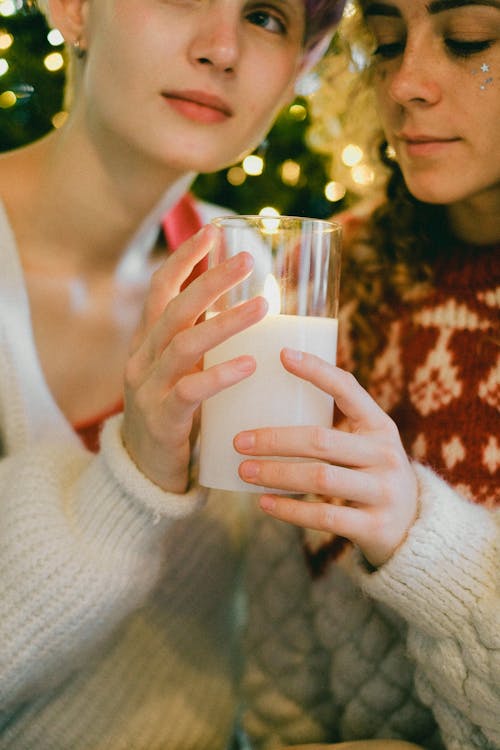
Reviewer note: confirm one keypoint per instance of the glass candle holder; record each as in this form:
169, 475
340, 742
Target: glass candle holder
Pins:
297, 269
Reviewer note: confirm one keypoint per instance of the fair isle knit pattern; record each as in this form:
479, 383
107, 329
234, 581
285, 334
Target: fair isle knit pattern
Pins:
411, 650
439, 375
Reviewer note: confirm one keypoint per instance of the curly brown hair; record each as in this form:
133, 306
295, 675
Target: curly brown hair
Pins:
389, 258
389, 261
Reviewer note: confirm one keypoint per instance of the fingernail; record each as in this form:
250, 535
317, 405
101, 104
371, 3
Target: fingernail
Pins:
244, 441
244, 364
249, 470
242, 260
267, 502
293, 354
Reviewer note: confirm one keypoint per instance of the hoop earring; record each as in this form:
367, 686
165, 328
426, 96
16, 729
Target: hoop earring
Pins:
78, 49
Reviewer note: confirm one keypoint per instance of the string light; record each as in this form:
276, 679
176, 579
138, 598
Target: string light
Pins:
297, 112
55, 38
7, 8
270, 217
334, 191
59, 119
236, 176
351, 155
7, 99
6, 40
253, 165
290, 172
362, 174
54, 61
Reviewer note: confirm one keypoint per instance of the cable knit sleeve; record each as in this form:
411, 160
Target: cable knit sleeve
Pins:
80, 548
444, 581
286, 678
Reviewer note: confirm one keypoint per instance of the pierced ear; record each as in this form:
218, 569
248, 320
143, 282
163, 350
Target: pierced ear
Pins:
69, 16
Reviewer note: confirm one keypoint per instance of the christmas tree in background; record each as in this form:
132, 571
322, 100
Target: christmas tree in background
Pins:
283, 173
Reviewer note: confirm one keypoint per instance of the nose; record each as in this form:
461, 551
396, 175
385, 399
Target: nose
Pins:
414, 79
217, 41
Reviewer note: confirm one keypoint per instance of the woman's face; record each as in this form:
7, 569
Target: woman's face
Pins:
437, 78
193, 83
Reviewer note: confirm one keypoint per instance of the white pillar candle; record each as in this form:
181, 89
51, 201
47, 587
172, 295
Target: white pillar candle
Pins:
271, 396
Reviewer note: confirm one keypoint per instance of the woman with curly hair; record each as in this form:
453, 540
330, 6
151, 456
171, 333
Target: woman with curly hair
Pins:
381, 618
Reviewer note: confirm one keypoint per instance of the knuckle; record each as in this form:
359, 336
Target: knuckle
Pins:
348, 379
392, 455
272, 440
181, 345
390, 426
320, 439
157, 280
184, 394
142, 404
327, 517
131, 373
323, 478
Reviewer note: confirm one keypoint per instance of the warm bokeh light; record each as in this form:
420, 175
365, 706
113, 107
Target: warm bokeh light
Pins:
290, 172
363, 175
297, 111
55, 38
335, 191
59, 118
7, 8
6, 40
4, 66
253, 165
236, 176
351, 155
269, 220
7, 99
54, 61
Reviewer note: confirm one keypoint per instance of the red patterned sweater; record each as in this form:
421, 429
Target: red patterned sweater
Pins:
439, 374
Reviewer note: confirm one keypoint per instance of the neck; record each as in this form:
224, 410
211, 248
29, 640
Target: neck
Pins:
477, 221
92, 211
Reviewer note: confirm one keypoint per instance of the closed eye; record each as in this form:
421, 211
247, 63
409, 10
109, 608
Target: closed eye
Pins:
467, 49
389, 50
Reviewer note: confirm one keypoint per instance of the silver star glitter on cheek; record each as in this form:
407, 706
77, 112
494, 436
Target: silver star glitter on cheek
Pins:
484, 68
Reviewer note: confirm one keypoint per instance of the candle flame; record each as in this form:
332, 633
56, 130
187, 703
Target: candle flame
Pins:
272, 294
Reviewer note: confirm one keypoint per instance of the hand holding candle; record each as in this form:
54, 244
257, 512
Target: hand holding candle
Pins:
296, 267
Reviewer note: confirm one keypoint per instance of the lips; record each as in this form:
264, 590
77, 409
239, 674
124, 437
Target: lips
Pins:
199, 105
419, 144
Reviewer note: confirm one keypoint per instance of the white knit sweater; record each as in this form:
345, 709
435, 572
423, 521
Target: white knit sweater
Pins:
353, 654
118, 612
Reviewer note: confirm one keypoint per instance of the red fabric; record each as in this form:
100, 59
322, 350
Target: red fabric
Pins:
89, 430
179, 224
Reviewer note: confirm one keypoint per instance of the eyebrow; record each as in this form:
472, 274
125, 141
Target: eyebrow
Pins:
434, 7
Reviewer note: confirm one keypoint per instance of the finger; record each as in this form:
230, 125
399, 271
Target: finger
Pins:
189, 346
321, 443
168, 279
352, 399
188, 393
187, 307
338, 519
314, 478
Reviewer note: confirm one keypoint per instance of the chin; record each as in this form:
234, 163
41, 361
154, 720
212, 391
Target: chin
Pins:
437, 192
